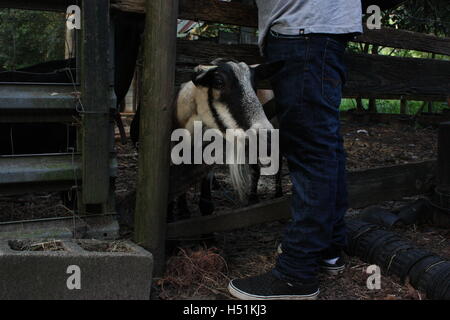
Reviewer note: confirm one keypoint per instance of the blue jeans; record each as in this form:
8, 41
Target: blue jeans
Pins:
308, 93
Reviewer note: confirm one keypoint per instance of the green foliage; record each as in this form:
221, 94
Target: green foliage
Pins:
392, 106
428, 16
30, 37
211, 30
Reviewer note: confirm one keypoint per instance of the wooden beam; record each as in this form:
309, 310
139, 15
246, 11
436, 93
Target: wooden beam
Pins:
241, 218
365, 188
389, 183
402, 39
234, 13
137, 6
155, 128
98, 98
376, 75
371, 76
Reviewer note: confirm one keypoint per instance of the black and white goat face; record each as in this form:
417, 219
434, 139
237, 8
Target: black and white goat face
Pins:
223, 96
229, 89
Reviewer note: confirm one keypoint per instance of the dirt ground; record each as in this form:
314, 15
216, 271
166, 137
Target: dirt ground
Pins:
202, 271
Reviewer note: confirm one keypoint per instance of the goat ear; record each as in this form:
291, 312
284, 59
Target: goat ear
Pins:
267, 70
202, 75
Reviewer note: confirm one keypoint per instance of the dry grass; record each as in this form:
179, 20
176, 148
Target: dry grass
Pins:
194, 273
105, 246
28, 245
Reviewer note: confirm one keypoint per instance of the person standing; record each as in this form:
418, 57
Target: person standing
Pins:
311, 37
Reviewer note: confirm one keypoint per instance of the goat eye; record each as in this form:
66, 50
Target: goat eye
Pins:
218, 82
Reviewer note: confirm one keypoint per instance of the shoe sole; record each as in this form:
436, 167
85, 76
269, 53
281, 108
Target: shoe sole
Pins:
241, 295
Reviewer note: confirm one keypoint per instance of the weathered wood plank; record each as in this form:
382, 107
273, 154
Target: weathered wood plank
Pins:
241, 218
375, 75
365, 188
155, 128
369, 75
97, 97
409, 40
137, 6
219, 11
389, 183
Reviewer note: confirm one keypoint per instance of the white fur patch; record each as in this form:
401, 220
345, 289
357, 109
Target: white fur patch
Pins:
225, 115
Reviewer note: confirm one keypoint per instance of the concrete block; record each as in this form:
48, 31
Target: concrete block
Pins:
78, 270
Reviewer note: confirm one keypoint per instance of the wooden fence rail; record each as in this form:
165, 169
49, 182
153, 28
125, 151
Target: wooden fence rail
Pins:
239, 14
366, 187
369, 75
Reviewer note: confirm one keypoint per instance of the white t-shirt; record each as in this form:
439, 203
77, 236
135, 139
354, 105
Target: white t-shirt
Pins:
295, 17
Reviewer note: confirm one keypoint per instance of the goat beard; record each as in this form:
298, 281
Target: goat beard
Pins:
240, 170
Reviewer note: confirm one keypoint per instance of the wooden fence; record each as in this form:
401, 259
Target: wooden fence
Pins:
369, 76
90, 102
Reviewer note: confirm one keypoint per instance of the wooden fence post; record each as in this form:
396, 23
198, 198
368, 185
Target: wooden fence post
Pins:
98, 99
155, 127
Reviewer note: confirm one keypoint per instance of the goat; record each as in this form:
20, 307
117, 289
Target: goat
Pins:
222, 96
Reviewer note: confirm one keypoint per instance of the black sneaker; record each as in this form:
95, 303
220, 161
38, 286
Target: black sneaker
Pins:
330, 268
333, 268
269, 287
